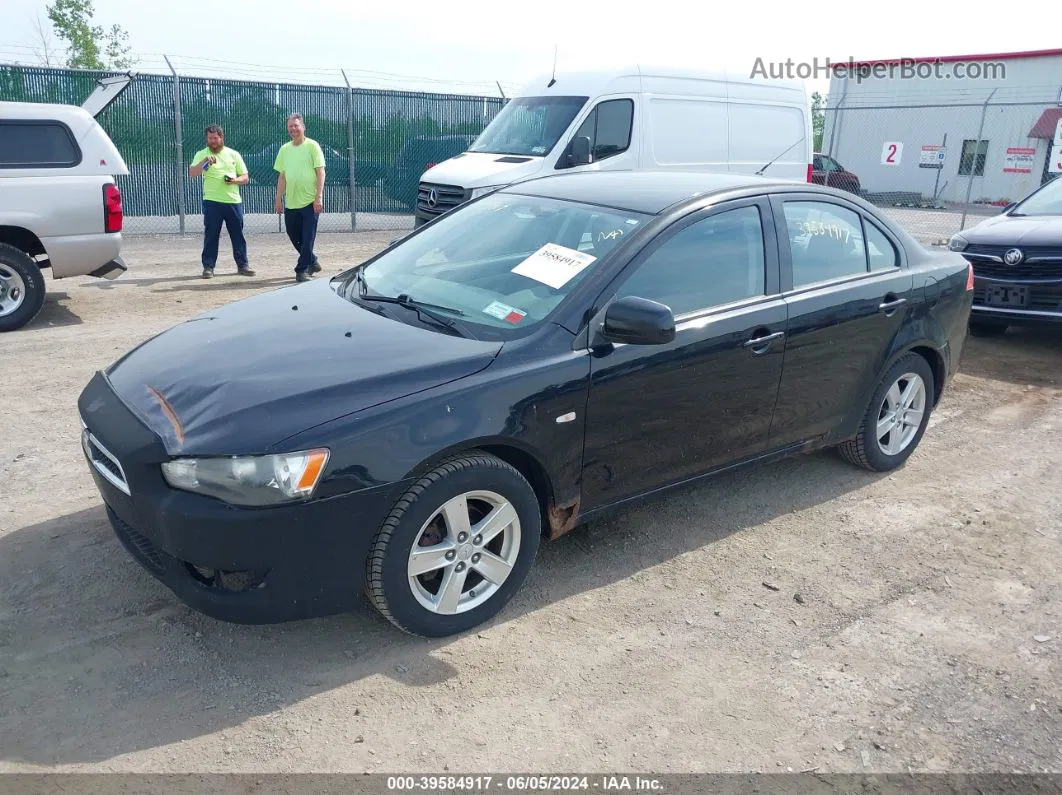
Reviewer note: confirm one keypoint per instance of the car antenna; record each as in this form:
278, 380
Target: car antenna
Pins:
767, 165
553, 77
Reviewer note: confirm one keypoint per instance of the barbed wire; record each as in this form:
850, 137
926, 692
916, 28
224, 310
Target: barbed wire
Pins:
202, 66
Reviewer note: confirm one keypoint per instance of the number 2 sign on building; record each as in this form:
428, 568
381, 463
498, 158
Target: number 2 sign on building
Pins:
891, 153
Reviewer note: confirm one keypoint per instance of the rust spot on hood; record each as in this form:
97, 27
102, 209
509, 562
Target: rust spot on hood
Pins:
563, 518
171, 415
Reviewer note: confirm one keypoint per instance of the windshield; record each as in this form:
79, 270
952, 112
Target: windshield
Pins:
496, 267
1046, 201
528, 126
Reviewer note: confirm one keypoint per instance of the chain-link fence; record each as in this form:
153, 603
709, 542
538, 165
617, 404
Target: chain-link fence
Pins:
939, 169
376, 143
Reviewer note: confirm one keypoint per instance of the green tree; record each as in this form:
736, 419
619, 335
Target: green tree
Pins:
89, 46
818, 118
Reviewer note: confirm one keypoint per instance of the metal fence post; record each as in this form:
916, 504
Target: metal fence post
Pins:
973, 162
351, 182
180, 140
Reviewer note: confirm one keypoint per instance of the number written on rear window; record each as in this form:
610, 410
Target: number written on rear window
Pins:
826, 242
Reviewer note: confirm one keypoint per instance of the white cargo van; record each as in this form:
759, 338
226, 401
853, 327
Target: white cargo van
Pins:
639, 118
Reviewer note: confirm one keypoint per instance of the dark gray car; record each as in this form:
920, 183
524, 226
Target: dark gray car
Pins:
1017, 262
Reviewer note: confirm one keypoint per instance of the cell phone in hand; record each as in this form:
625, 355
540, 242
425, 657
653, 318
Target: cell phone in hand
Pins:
229, 178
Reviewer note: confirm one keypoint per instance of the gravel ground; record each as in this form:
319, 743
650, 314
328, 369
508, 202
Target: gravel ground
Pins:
805, 615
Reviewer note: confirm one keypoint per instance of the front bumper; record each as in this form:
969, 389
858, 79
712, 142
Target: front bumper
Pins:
1016, 303
247, 566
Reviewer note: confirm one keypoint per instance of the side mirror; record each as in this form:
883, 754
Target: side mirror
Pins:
580, 154
639, 321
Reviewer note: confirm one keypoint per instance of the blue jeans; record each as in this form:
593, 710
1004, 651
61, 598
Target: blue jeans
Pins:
301, 226
231, 215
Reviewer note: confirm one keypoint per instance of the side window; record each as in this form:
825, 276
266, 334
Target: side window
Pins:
826, 241
34, 144
711, 262
882, 252
609, 127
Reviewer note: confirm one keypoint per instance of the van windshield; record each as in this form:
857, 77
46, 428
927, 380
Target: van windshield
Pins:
529, 126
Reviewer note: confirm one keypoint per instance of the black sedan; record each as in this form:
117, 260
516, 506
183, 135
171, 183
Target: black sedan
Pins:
1017, 262
413, 427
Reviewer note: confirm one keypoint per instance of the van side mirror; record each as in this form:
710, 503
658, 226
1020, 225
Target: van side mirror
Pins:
638, 321
580, 154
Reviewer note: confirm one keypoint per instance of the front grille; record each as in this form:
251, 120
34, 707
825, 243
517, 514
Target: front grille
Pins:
446, 197
104, 461
1039, 263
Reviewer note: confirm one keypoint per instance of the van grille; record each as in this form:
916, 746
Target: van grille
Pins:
435, 199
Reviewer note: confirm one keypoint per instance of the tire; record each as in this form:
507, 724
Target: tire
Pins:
404, 597
866, 449
980, 328
21, 288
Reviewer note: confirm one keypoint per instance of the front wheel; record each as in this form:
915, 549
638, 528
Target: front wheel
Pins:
896, 418
456, 547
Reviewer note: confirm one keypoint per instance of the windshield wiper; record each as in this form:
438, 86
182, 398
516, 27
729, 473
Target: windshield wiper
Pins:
423, 309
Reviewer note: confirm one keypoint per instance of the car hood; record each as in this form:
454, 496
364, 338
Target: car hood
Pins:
479, 169
1005, 230
242, 378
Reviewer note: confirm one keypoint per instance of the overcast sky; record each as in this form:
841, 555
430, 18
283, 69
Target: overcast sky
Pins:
467, 46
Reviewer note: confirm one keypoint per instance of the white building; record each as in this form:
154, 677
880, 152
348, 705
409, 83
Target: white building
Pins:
977, 126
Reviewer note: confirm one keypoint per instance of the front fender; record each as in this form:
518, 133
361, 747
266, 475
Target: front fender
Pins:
513, 405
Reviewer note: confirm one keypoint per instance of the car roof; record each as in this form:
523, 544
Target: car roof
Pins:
649, 192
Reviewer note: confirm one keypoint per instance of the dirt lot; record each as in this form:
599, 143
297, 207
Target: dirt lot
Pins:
805, 615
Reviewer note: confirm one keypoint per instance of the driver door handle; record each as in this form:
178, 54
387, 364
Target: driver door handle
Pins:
765, 340
889, 306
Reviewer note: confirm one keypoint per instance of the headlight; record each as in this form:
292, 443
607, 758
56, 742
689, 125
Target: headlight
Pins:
958, 243
477, 192
253, 481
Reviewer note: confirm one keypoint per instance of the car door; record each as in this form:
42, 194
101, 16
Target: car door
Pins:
848, 292
658, 414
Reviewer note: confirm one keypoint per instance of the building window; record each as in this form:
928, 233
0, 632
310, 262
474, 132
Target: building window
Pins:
973, 158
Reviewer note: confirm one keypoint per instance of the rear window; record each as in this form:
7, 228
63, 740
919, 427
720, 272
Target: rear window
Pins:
37, 144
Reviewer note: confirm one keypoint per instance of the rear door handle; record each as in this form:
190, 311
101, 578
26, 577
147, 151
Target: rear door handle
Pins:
890, 306
765, 340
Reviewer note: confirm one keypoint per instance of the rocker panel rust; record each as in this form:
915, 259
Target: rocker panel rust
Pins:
563, 518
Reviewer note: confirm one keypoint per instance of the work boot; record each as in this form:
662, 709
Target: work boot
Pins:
245, 271
208, 273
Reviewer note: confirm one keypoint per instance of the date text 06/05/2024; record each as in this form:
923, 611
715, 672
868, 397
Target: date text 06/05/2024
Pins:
525, 783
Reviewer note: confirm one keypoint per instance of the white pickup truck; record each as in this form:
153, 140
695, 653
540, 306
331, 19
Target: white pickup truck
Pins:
59, 205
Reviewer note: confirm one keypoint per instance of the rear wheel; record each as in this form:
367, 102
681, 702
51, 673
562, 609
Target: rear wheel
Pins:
21, 288
981, 328
456, 547
896, 418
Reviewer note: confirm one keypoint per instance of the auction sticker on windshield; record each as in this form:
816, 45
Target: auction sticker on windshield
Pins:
505, 312
554, 265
